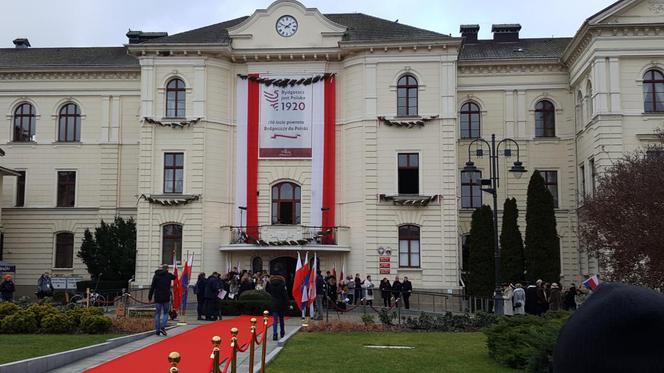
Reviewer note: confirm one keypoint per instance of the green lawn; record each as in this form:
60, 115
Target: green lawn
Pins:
433, 352
24, 346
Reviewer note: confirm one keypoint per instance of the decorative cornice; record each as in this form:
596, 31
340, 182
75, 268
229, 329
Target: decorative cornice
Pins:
505, 68
407, 123
170, 199
71, 75
182, 124
410, 200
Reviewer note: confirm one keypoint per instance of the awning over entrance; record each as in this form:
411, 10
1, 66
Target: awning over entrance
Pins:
311, 248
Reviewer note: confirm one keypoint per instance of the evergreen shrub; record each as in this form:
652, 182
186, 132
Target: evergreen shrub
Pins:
95, 324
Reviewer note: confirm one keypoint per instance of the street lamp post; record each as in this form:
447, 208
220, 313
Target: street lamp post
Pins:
493, 183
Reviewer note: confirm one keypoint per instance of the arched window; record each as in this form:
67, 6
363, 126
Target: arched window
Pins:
171, 243
24, 123
69, 123
286, 203
545, 119
653, 91
589, 98
175, 98
407, 96
64, 250
409, 246
469, 117
257, 264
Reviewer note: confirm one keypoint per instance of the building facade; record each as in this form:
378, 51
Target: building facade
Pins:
359, 161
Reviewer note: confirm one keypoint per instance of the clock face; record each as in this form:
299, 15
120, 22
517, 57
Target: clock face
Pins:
286, 26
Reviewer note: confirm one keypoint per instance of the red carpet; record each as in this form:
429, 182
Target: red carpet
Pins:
193, 345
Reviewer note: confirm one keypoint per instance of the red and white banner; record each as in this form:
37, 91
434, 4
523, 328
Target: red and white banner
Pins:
291, 122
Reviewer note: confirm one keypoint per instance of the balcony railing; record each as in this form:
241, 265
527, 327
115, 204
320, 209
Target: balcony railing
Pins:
286, 235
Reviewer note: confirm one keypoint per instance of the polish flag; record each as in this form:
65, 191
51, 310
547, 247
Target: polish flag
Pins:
341, 275
297, 280
312, 282
305, 279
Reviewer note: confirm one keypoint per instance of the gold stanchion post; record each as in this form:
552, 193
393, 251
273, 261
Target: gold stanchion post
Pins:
252, 345
264, 352
216, 341
234, 352
173, 359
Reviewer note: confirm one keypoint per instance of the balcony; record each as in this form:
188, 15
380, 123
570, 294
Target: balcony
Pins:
285, 237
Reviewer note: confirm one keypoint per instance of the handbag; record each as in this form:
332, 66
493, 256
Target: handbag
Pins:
517, 304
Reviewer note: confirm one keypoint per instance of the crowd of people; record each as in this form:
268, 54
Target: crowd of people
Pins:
353, 291
540, 297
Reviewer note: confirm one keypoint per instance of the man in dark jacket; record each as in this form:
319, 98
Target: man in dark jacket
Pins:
212, 287
280, 304
161, 290
199, 290
7, 288
406, 289
321, 290
397, 288
531, 300
358, 289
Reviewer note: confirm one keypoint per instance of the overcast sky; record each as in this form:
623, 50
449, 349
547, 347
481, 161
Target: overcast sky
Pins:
52, 23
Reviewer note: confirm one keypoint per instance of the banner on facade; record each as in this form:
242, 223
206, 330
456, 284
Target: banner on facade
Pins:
286, 121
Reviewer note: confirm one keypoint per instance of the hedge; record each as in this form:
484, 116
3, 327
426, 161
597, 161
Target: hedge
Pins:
44, 318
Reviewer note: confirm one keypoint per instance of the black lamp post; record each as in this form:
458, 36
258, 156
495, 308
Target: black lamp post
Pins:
492, 184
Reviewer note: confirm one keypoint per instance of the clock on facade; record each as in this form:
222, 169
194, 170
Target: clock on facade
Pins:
286, 26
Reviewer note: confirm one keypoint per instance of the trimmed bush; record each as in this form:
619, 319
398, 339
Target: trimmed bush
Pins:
56, 323
21, 322
255, 295
76, 313
253, 307
42, 310
7, 308
230, 308
95, 324
525, 342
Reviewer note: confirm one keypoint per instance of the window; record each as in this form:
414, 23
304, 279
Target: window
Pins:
286, 203
545, 119
589, 97
175, 98
407, 96
579, 109
409, 173
66, 188
69, 123
409, 246
20, 189
593, 174
64, 250
24, 123
653, 91
471, 193
171, 243
257, 264
582, 176
470, 120
551, 183
173, 172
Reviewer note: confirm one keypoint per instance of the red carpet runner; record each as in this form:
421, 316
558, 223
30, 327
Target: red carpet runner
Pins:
193, 345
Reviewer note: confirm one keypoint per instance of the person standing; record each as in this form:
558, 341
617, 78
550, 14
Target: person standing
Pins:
508, 294
212, 288
397, 288
406, 290
7, 289
160, 289
519, 300
44, 286
569, 304
349, 290
554, 298
280, 304
358, 289
531, 300
368, 288
332, 290
385, 291
199, 290
321, 289
541, 303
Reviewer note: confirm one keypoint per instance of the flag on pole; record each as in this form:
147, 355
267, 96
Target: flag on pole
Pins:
334, 270
185, 278
305, 284
312, 282
592, 282
177, 293
341, 275
297, 280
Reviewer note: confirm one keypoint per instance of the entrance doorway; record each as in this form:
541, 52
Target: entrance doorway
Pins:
284, 266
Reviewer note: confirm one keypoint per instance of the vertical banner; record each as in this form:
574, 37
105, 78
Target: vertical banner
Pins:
252, 158
318, 153
241, 99
329, 161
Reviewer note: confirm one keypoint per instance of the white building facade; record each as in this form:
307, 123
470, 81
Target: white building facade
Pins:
360, 160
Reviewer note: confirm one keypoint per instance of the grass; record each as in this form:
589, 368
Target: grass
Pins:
24, 346
433, 352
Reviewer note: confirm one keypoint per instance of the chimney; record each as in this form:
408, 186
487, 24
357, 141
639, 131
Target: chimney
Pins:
506, 32
137, 37
22, 43
469, 32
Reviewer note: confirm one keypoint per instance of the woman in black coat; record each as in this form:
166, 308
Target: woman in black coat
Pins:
280, 303
386, 292
199, 290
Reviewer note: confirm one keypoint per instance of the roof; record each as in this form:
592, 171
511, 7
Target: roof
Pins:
361, 27
61, 57
523, 48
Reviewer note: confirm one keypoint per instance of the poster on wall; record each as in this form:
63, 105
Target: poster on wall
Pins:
286, 120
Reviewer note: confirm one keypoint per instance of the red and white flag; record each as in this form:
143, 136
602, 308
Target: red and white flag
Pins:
297, 280
312, 282
177, 291
341, 275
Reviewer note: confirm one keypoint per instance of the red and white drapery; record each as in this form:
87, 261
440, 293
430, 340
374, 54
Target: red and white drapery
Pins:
322, 157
